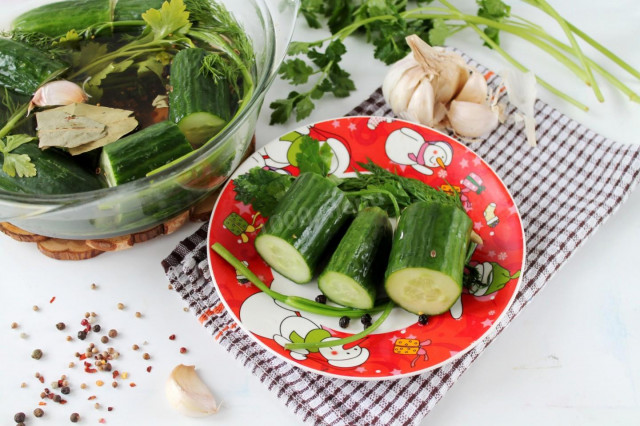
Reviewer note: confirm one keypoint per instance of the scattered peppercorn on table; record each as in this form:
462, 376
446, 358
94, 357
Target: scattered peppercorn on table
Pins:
94, 341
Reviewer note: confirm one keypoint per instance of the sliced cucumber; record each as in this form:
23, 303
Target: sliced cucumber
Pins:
356, 267
305, 221
134, 156
426, 264
199, 104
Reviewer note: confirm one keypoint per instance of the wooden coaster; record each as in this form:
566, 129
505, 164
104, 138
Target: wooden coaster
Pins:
62, 249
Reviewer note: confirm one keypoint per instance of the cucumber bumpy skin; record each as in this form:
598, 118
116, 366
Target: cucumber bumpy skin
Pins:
310, 214
426, 264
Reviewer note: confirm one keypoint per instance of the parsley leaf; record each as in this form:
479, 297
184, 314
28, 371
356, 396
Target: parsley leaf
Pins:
314, 158
16, 164
172, 18
262, 189
496, 10
296, 70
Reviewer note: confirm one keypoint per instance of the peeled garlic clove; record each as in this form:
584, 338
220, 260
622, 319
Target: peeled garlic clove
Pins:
470, 119
475, 89
187, 394
59, 92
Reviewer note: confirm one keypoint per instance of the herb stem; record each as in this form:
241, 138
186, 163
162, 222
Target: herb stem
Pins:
344, 341
18, 115
293, 301
546, 7
396, 208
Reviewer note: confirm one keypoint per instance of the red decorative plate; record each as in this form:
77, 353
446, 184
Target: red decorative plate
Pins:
401, 346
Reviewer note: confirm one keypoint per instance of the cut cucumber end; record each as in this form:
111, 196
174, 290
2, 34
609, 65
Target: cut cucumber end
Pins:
284, 258
107, 170
344, 290
199, 127
422, 291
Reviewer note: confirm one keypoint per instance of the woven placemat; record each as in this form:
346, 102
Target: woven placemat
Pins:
565, 189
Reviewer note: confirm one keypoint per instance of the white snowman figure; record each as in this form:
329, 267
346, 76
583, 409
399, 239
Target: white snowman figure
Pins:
285, 325
406, 146
281, 153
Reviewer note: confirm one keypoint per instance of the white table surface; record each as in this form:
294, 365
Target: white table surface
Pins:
570, 358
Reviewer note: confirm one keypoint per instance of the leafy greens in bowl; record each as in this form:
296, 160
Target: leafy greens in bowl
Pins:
192, 73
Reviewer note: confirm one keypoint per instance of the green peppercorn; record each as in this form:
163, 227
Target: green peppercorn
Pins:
36, 354
38, 412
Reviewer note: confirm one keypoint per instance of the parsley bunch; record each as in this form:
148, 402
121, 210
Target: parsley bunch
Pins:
386, 23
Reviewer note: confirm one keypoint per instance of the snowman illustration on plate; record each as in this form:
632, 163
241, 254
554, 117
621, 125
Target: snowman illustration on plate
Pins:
406, 146
285, 325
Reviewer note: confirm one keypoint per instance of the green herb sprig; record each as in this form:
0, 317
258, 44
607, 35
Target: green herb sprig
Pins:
385, 24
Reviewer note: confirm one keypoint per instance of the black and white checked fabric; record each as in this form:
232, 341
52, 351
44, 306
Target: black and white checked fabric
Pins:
565, 189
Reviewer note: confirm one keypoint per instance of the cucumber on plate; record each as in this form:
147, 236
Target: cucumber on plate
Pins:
133, 156
426, 263
310, 214
199, 104
356, 266
57, 173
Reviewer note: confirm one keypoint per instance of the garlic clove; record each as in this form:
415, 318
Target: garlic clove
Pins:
59, 92
395, 73
474, 90
470, 119
404, 90
447, 70
187, 394
421, 107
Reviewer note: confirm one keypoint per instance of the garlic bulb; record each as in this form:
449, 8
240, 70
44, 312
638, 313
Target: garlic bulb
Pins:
436, 88
188, 394
59, 92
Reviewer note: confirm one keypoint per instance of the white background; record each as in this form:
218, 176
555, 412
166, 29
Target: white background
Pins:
569, 358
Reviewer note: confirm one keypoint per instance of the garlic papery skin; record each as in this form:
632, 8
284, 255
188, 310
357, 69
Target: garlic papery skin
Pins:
472, 120
447, 70
474, 90
59, 92
187, 394
522, 93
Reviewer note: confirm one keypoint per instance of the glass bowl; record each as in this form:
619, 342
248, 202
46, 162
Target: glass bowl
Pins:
147, 202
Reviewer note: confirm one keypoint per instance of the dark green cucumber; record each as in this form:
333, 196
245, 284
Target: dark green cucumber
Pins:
23, 68
134, 156
424, 273
56, 173
132, 10
55, 19
199, 104
305, 220
357, 265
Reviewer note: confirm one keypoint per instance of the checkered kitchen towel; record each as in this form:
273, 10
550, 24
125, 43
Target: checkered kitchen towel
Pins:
565, 189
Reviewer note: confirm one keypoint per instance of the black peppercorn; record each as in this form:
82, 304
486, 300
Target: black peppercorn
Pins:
60, 326
96, 328
366, 320
19, 417
82, 334
57, 398
38, 412
344, 321
65, 390
74, 417
423, 319
321, 298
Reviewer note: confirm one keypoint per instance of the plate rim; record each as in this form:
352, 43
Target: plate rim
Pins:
441, 364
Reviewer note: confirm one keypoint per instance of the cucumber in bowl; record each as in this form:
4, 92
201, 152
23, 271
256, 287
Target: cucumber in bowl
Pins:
426, 264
